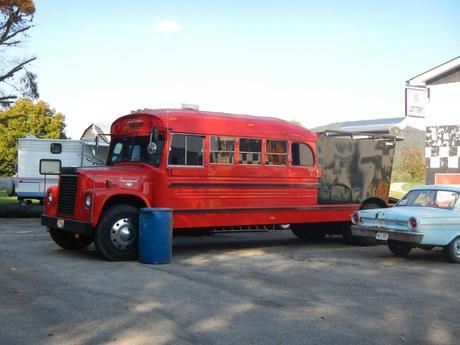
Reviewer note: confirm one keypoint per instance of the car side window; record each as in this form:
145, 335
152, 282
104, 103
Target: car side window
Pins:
446, 199
457, 205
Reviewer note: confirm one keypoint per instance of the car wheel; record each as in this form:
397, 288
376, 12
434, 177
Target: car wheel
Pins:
312, 232
116, 238
67, 240
399, 248
452, 251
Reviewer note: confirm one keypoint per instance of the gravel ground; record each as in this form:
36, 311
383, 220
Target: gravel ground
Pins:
259, 288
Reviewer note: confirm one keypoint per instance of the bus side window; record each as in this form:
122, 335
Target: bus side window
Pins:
222, 150
186, 150
194, 147
276, 152
250, 151
302, 155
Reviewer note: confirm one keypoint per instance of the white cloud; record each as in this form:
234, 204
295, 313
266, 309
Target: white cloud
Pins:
167, 26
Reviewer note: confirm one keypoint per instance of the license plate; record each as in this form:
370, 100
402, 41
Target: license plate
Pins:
381, 236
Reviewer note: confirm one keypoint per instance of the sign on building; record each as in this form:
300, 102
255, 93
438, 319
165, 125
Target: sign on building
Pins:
416, 101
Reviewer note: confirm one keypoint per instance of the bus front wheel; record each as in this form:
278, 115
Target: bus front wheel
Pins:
116, 237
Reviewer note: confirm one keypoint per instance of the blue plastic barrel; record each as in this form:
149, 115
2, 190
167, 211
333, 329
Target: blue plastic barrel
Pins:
155, 235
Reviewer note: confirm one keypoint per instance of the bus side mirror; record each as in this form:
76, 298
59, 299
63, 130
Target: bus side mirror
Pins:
50, 166
95, 147
155, 134
152, 145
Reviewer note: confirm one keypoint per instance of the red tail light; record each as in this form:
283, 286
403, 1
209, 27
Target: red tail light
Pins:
355, 218
412, 223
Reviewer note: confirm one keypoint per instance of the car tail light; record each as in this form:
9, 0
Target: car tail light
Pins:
355, 218
412, 223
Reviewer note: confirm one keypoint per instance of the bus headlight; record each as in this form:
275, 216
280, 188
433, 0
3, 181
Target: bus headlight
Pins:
88, 200
50, 197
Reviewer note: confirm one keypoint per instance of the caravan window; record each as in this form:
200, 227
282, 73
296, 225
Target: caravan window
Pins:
56, 148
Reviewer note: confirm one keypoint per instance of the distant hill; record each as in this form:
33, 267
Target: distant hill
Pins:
332, 127
411, 136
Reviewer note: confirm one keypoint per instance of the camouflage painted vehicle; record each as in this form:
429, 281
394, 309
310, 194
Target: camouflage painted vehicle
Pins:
356, 169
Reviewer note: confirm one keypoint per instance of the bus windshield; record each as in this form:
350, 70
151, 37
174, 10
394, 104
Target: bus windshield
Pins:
134, 149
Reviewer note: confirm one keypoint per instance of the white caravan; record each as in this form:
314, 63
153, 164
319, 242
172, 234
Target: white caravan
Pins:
71, 153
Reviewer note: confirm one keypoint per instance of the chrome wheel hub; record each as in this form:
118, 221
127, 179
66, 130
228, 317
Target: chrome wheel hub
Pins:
457, 247
122, 233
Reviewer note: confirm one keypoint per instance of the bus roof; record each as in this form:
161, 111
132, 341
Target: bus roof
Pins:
209, 123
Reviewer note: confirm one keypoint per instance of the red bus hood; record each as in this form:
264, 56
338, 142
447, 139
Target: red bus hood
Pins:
120, 176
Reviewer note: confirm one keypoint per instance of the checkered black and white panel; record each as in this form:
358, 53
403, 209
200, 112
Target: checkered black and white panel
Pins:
443, 147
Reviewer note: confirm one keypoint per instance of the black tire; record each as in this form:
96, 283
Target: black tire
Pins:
360, 240
452, 250
116, 238
311, 232
399, 248
67, 240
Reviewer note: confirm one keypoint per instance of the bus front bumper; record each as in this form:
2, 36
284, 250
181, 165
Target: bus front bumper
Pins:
69, 225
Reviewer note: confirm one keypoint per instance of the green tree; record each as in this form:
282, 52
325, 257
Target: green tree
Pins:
15, 77
413, 163
26, 118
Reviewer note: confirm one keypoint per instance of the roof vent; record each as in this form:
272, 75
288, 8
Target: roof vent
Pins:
190, 106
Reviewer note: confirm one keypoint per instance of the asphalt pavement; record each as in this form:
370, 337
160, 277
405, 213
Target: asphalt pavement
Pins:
259, 288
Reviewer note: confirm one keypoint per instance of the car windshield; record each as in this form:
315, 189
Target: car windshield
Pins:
430, 198
134, 149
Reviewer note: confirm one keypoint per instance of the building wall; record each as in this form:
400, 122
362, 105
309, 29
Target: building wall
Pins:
444, 105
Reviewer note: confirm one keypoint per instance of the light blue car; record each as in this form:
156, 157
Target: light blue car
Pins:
426, 217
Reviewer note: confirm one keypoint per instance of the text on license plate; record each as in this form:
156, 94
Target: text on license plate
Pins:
381, 236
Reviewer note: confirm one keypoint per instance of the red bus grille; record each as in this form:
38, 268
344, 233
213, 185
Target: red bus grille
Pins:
67, 194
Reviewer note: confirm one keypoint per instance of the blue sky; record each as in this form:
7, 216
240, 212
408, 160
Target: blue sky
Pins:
314, 61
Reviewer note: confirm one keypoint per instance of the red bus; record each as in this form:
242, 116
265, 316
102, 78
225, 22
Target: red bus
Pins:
213, 170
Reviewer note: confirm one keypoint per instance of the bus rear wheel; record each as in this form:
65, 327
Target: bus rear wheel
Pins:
116, 238
67, 240
312, 232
